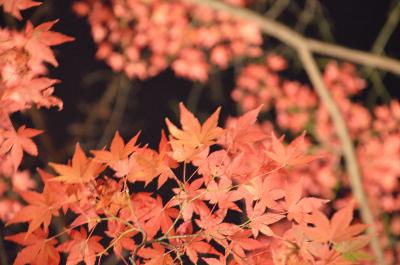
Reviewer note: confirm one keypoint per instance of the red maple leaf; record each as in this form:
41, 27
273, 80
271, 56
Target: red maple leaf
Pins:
194, 137
41, 208
14, 7
260, 220
298, 208
122, 239
40, 40
81, 170
190, 198
118, 150
240, 243
18, 141
336, 230
160, 217
39, 249
81, 248
241, 133
223, 194
146, 164
156, 255
291, 155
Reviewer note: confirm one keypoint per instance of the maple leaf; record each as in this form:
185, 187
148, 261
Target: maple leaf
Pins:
54, 191
14, 7
190, 199
166, 161
213, 227
299, 207
352, 250
160, 217
213, 261
39, 249
240, 242
241, 133
147, 164
336, 230
260, 221
81, 170
31, 91
40, 40
122, 239
193, 138
223, 194
195, 245
214, 165
156, 255
18, 141
118, 150
81, 248
41, 208
289, 156
267, 189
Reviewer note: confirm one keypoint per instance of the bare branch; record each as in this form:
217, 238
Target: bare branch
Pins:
387, 29
348, 150
356, 56
295, 40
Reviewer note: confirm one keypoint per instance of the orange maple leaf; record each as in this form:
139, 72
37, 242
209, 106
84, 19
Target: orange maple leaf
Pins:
223, 194
121, 237
336, 230
194, 137
118, 150
40, 40
298, 208
260, 220
160, 217
41, 208
82, 248
18, 141
39, 249
292, 155
241, 133
146, 164
156, 255
81, 170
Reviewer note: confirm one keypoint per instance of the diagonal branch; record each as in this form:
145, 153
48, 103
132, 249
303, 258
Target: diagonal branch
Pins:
305, 47
294, 39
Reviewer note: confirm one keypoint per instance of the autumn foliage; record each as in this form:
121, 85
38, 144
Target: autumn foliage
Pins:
277, 225
211, 193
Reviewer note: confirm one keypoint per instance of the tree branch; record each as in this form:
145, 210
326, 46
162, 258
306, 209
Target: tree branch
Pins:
387, 29
295, 40
305, 47
348, 150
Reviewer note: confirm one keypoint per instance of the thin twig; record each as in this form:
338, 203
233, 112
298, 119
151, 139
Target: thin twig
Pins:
95, 113
124, 87
306, 16
387, 29
304, 47
39, 122
195, 96
378, 47
277, 8
323, 24
356, 56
